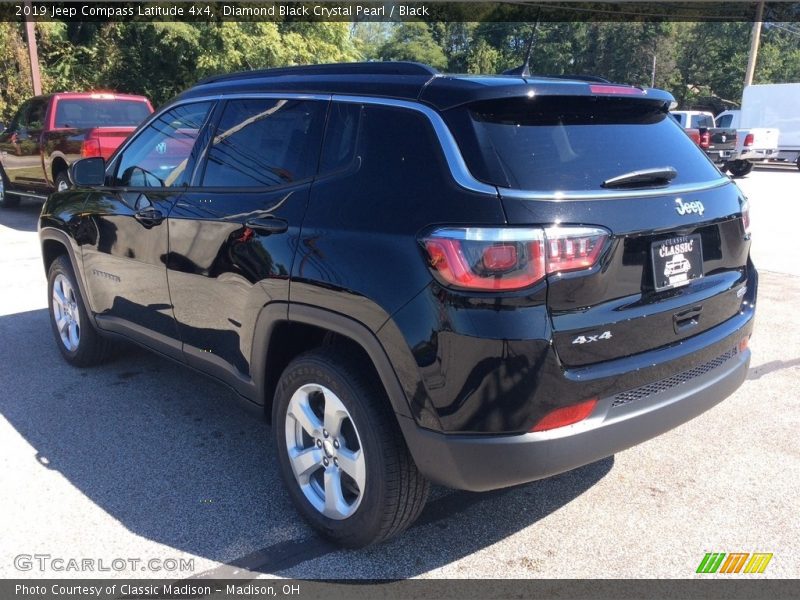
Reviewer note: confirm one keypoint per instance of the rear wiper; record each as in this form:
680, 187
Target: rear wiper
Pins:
642, 178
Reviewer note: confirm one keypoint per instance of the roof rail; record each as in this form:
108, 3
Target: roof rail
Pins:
355, 68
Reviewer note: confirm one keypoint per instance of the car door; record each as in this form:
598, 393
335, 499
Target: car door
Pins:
233, 235
125, 259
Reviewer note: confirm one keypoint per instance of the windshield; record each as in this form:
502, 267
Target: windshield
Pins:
576, 143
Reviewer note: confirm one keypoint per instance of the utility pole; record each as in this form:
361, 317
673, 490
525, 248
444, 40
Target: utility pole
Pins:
33, 54
755, 38
653, 78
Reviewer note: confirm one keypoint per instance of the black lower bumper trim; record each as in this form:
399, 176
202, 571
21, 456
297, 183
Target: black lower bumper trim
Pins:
480, 463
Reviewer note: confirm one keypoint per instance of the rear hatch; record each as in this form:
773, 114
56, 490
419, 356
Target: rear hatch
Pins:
674, 263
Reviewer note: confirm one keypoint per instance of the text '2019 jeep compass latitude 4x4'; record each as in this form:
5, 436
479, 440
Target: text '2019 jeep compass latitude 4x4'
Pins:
474, 281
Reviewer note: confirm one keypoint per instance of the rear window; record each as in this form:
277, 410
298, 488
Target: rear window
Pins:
699, 121
81, 114
554, 143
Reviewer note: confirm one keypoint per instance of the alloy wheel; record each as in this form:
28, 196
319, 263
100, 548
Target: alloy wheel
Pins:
65, 313
325, 451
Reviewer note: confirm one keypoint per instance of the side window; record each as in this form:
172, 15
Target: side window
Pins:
160, 153
262, 142
36, 114
341, 135
399, 150
725, 121
20, 120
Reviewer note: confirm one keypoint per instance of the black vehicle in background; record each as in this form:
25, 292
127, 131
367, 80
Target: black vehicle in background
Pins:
472, 281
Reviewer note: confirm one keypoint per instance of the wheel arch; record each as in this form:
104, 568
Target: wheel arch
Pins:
55, 243
285, 331
58, 164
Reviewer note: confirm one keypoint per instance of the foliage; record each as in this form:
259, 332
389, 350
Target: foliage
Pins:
413, 41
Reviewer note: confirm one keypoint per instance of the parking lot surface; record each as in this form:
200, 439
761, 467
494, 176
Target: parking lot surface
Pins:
143, 459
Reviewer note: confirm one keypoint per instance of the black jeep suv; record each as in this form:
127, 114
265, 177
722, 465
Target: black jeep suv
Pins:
472, 281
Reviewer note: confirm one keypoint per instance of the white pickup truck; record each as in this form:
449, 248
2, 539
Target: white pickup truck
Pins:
753, 144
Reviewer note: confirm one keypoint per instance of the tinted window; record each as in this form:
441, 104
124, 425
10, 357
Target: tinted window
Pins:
19, 121
160, 153
100, 113
265, 142
725, 121
576, 143
699, 121
36, 113
341, 134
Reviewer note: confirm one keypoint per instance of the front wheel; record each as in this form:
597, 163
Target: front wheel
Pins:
75, 336
341, 453
739, 168
6, 201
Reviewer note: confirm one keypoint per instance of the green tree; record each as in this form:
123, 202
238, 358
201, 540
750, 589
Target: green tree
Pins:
15, 84
414, 41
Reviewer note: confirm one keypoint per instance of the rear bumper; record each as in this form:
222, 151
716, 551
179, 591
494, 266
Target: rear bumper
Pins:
720, 156
622, 420
757, 154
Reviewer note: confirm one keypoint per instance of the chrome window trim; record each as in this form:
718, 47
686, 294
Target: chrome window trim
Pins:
463, 176
685, 188
455, 160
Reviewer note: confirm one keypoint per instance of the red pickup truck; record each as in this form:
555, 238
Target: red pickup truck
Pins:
49, 132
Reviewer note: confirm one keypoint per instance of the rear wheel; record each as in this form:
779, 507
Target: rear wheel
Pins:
75, 336
6, 201
341, 453
740, 168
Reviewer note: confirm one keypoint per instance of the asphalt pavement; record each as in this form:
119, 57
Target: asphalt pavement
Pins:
144, 460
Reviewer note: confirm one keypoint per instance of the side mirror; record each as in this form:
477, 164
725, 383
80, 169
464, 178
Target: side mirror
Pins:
88, 172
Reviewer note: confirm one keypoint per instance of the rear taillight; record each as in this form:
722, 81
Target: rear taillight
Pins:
510, 258
90, 147
705, 140
573, 248
749, 139
566, 415
746, 217
694, 135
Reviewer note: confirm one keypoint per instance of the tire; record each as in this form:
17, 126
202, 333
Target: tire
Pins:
76, 337
739, 168
381, 492
6, 201
62, 182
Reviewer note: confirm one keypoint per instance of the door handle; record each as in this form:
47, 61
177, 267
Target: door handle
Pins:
268, 225
149, 217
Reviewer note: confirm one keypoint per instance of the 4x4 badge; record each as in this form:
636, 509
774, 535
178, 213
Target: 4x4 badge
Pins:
588, 339
685, 208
